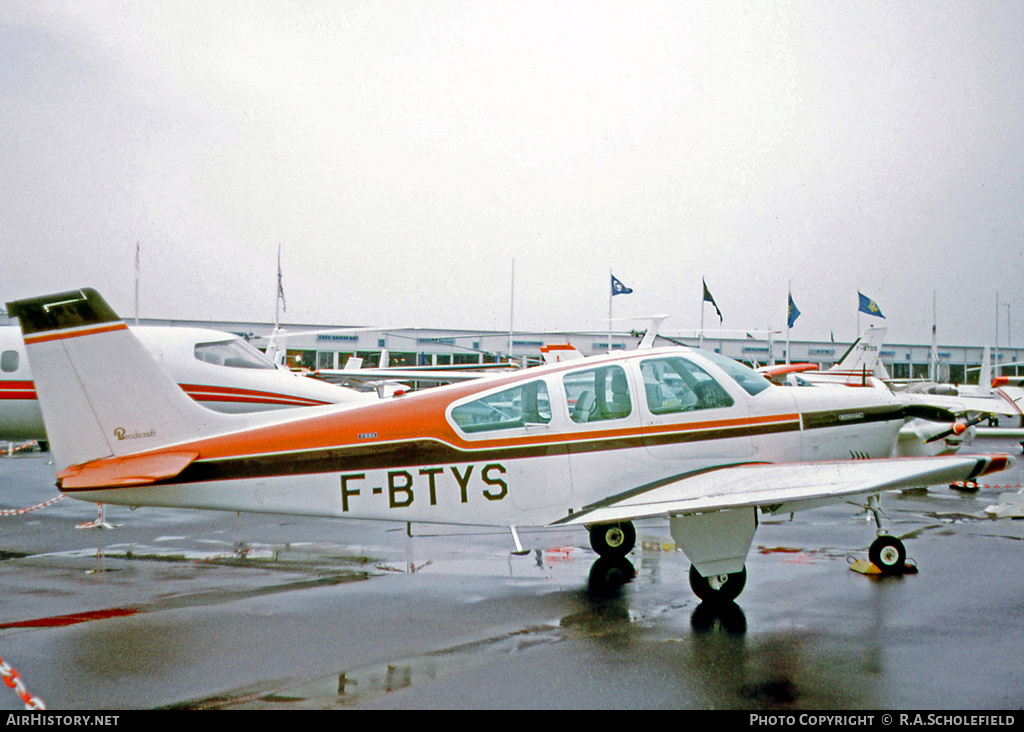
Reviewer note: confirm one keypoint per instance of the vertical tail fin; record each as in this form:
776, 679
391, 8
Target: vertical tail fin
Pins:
985, 376
863, 354
101, 392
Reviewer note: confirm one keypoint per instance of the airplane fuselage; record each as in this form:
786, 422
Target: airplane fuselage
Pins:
601, 442
523, 450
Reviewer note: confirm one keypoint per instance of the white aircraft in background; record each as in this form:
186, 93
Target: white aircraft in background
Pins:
988, 400
596, 442
219, 370
855, 368
391, 380
964, 407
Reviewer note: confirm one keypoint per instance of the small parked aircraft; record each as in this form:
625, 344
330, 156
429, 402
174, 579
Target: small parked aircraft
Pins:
389, 380
966, 406
597, 442
219, 370
854, 368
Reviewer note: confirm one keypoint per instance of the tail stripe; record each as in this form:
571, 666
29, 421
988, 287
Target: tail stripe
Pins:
74, 334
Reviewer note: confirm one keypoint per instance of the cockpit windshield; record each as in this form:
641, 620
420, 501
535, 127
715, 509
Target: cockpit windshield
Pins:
234, 353
751, 381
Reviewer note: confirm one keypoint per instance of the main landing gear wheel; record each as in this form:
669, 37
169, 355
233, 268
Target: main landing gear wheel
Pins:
717, 587
888, 554
613, 540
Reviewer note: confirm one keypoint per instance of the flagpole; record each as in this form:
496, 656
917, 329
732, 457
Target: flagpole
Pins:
611, 294
512, 310
136, 283
277, 294
995, 359
933, 357
700, 335
789, 317
857, 334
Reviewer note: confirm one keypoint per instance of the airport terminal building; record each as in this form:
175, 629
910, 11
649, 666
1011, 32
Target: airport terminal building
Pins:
315, 346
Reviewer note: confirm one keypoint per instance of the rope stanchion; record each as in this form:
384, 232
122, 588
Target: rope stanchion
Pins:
20, 511
100, 521
13, 680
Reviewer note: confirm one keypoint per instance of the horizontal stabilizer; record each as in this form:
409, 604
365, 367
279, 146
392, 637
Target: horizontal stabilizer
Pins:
131, 470
100, 391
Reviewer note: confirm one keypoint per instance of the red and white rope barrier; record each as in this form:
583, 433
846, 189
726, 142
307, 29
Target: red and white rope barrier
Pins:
13, 680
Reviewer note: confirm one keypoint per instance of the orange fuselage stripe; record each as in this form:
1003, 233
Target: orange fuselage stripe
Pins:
364, 428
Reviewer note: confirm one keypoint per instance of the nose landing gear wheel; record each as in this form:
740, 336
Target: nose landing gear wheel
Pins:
613, 540
717, 587
888, 554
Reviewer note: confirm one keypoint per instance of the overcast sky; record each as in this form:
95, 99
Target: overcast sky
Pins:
404, 154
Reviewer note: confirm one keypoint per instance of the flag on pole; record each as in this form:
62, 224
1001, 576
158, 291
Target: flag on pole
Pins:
869, 306
708, 298
618, 288
280, 280
794, 312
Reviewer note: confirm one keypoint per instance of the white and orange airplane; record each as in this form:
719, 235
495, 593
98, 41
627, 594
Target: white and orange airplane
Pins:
597, 442
219, 370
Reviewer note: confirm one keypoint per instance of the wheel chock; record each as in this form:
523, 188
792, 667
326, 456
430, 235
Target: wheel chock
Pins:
863, 566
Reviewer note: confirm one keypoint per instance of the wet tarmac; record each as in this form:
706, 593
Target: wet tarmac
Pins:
207, 610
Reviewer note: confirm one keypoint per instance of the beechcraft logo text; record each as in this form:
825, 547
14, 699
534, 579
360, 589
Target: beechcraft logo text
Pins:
122, 434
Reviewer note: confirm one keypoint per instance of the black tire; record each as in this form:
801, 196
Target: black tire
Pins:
613, 540
608, 576
888, 554
718, 617
719, 587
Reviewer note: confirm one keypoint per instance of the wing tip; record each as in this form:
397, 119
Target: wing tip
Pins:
993, 464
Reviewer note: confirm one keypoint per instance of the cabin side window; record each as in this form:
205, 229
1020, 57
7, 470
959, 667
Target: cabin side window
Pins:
677, 385
517, 407
597, 394
9, 361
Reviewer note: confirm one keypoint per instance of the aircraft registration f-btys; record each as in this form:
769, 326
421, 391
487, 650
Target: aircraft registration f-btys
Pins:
597, 442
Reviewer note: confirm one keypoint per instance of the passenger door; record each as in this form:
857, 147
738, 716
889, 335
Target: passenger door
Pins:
692, 411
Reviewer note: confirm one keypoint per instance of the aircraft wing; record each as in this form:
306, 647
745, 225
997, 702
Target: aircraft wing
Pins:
783, 488
372, 375
961, 404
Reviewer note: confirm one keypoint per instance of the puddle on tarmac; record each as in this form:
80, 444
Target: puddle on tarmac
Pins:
359, 685
287, 557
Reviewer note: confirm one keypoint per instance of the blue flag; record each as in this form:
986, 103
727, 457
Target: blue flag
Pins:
794, 313
618, 288
869, 306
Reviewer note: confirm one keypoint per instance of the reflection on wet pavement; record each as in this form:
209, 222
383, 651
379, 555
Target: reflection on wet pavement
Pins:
205, 610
